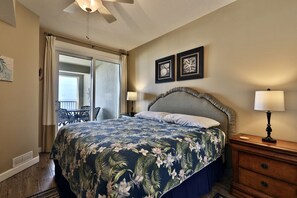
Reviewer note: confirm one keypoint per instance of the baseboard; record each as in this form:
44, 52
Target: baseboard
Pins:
13, 171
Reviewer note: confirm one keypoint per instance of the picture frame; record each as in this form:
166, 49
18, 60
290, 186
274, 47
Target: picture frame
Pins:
190, 64
165, 69
6, 68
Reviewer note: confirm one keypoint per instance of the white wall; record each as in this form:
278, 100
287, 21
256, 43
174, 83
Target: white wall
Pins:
249, 45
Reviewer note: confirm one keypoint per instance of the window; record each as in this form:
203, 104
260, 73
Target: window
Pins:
68, 91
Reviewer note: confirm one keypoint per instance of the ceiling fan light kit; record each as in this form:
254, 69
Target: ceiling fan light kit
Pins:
88, 5
91, 6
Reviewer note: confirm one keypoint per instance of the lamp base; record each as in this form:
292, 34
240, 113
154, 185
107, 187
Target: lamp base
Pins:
269, 139
131, 114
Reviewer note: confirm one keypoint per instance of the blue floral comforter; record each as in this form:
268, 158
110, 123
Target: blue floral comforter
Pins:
132, 157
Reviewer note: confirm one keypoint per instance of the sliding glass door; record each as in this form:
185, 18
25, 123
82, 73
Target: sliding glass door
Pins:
107, 89
88, 89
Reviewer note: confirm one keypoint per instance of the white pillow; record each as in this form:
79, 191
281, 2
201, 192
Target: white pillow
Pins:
152, 115
190, 120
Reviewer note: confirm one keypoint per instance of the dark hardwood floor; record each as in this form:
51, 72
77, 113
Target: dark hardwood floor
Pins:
36, 178
40, 177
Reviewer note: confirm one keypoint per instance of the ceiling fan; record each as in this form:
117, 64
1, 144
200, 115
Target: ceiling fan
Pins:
91, 6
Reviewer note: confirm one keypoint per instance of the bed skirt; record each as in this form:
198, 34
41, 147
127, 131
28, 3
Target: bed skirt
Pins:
196, 186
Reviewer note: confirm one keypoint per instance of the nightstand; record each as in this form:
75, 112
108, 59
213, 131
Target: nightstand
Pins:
262, 169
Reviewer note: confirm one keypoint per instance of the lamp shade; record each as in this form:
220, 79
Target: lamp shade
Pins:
88, 5
132, 96
269, 100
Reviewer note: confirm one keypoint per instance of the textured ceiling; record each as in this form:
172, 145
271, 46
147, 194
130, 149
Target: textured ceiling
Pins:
136, 23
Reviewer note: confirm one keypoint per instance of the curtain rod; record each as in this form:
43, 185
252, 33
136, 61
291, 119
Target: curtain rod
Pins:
92, 46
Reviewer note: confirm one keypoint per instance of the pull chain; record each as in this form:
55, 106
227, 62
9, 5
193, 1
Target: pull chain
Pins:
87, 36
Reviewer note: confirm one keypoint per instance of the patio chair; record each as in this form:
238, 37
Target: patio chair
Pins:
85, 107
96, 112
84, 116
63, 117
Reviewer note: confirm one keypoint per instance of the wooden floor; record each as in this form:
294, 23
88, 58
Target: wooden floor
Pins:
222, 187
40, 177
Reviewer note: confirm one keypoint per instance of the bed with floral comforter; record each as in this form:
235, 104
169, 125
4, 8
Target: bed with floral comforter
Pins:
133, 157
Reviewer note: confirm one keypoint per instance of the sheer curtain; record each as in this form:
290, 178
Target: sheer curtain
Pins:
49, 96
123, 83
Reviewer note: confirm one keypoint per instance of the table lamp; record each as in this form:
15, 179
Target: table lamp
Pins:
131, 96
269, 101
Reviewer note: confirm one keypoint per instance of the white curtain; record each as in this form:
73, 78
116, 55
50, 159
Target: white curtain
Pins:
49, 95
123, 83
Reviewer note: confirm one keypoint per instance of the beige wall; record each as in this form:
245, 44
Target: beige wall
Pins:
249, 45
19, 99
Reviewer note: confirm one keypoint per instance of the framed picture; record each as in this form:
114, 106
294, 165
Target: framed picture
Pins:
6, 68
165, 69
190, 64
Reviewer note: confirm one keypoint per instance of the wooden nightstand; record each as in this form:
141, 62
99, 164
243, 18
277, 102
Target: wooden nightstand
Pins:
263, 169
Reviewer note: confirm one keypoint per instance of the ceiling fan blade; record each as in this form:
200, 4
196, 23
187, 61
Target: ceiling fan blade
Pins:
74, 7
106, 14
121, 1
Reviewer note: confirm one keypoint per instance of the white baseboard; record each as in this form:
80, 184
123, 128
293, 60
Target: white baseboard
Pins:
13, 171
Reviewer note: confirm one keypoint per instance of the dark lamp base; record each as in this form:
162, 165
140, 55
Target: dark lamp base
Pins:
131, 114
269, 139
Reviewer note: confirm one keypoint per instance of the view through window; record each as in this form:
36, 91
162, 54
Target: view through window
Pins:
68, 92
87, 92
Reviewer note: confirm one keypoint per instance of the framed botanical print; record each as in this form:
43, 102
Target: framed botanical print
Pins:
6, 69
190, 64
164, 69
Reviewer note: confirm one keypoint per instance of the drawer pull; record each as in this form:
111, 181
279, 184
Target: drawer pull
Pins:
264, 166
264, 184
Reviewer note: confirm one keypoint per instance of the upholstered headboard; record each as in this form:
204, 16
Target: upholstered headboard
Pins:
189, 101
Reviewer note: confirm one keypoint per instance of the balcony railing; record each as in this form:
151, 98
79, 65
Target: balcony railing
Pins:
68, 105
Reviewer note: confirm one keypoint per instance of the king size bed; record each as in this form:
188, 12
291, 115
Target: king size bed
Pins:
173, 150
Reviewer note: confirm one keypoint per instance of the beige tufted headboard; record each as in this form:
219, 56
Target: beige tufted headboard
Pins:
189, 101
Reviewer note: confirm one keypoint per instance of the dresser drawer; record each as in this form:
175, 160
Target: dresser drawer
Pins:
272, 168
269, 186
